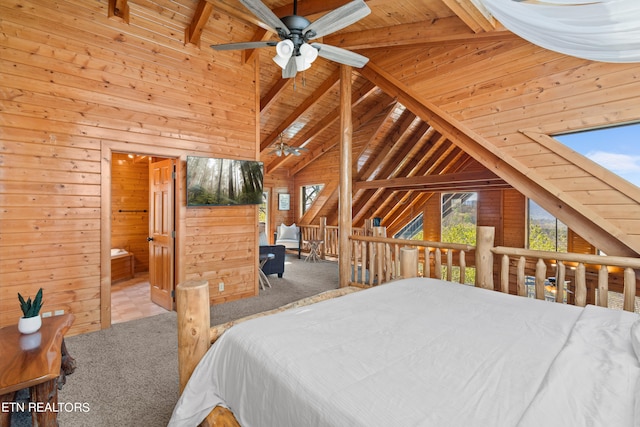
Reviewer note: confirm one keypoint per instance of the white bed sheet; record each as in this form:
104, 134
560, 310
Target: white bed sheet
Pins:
417, 352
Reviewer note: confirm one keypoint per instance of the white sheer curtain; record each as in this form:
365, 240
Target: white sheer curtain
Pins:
600, 30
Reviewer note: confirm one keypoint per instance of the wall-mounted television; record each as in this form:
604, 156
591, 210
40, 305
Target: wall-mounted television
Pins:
223, 182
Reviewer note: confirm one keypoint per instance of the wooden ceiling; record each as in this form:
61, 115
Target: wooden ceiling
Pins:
447, 92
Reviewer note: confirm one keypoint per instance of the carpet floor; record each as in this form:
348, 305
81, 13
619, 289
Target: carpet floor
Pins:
127, 375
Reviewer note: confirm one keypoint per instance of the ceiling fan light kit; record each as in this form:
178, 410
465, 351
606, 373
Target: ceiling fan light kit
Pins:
293, 52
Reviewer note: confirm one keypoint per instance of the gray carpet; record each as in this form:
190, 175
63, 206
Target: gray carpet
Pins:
127, 375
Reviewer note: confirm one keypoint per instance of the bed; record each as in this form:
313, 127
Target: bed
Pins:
423, 352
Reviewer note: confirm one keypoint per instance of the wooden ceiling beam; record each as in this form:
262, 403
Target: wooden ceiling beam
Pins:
451, 180
358, 122
261, 35
316, 96
472, 13
385, 123
273, 94
440, 165
368, 198
323, 124
395, 139
437, 31
200, 18
118, 10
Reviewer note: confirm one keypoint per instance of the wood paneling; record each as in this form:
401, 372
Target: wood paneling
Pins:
73, 82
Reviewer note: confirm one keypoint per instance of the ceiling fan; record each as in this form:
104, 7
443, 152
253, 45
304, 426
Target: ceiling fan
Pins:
281, 148
293, 52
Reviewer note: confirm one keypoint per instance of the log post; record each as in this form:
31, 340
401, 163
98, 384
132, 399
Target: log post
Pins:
485, 237
194, 323
322, 235
344, 196
408, 262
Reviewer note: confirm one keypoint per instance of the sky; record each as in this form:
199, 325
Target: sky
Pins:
615, 148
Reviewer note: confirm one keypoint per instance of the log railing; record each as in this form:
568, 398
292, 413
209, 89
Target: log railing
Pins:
376, 260
560, 262
329, 236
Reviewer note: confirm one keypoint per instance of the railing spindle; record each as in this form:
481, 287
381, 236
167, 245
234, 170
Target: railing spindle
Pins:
581, 285
438, 263
541, 276
449, 264
603, 286
463, 267
504, 274
522, 288
560, 275
629, 289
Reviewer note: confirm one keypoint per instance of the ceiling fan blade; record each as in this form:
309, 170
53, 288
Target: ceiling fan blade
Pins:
265, 14
340, 55
338, 18
290, 70
240, 46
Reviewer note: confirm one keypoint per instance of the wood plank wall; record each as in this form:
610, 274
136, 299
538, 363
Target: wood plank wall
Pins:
74, 83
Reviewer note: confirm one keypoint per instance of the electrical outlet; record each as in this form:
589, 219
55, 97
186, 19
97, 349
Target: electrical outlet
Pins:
221, 286
58, 312
46, 314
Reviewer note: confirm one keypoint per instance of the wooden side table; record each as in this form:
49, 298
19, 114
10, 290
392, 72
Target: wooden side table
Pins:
37, 361
314, 250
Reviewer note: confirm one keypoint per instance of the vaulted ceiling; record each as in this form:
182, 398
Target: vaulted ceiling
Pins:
450, 100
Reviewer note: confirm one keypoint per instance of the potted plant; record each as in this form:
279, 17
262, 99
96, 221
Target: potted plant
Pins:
30, 321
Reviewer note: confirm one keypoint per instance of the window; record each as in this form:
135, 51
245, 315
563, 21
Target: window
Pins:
615, 148
309, 195
458, 225
263, 208
545, 232
413, 230
459, 213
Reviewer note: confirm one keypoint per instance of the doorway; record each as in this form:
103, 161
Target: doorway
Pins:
141, 236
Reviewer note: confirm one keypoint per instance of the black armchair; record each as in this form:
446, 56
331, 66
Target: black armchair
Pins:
275, 265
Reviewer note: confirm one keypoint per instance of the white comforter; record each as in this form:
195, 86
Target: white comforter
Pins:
421, 352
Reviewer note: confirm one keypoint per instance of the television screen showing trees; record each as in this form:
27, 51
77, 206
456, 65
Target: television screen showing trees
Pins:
223, 182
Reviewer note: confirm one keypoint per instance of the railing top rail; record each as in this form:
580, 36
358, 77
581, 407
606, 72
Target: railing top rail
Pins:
424, 243
614, 261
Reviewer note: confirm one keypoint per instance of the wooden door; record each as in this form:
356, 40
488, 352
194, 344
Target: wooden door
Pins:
161, 232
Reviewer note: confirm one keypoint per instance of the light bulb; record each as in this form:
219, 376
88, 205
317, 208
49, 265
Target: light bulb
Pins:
309, 53
284, 49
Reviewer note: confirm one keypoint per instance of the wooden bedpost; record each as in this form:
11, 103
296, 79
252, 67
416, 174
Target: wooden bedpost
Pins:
408, 262
485, 237
194, 323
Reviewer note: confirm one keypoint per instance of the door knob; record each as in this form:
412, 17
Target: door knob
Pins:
149, 239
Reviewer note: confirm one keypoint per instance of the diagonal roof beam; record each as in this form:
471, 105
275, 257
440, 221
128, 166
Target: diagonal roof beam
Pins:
560, 204
316, 96
323, 124
273, 94
473, 13
358, 122
437, 31
367, 198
